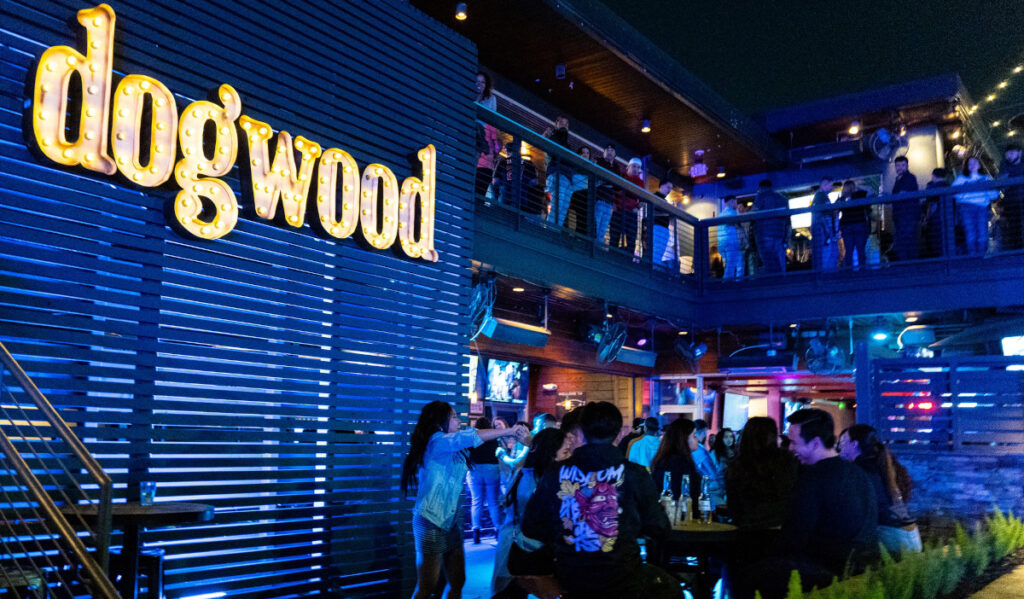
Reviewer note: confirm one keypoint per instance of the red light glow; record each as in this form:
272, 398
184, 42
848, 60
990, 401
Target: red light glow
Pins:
925, 405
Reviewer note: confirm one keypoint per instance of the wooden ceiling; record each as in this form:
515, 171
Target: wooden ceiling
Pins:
523, 42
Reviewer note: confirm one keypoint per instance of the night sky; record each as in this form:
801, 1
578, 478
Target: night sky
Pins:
767, 54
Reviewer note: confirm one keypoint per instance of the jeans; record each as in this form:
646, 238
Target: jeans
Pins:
773, 255
485, 486
898, 540
561, 187
905, 225
855, 238
661, 254
729, 247
974, 219
603, 216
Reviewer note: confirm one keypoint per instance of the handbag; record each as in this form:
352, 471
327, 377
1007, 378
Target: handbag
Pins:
898, 512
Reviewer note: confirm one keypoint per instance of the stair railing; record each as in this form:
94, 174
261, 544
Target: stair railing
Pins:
48, 473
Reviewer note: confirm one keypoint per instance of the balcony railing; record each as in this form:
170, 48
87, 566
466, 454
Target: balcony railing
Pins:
537, 182
942, 223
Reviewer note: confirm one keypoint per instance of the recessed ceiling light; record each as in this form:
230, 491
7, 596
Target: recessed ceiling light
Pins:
518, 289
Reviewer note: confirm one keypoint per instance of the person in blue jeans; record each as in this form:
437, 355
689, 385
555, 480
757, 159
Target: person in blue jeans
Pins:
484, 480
435, 466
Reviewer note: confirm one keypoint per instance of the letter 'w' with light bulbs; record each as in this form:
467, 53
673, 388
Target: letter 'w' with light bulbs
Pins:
345, 197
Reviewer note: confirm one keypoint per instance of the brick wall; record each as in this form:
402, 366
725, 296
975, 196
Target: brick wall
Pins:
965, 486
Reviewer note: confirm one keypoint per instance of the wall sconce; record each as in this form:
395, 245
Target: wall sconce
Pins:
645, 127
721, 172
854, 128
460, 11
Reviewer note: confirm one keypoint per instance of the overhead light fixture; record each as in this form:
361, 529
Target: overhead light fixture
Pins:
1003, 84
608, 315
1018, 68
518, 289
854, 128
880, 335
955, 134
911, 319
792, 326
721, 172
684, 332
460, 11
699, 169
1011, 134
990, 97
642, 342
686, 200
996, 123
646, 126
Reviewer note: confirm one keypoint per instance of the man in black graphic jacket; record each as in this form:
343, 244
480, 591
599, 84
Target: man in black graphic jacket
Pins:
591, 508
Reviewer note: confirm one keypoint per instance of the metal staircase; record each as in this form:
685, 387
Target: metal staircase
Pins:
48, 548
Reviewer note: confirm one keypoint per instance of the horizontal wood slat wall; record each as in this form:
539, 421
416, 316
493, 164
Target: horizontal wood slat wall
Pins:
272, 373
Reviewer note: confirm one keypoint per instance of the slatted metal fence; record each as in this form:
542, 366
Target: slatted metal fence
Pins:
273, 373
964, 404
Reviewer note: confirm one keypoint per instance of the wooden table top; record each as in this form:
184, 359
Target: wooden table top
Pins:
697, 531
157, 514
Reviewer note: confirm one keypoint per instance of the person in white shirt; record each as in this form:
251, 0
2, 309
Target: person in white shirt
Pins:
973, 207
642, 449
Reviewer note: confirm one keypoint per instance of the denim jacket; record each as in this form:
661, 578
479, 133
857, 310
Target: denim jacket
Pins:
441, 475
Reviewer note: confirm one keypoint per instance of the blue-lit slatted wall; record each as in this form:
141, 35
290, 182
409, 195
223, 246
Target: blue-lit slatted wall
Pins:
271, 373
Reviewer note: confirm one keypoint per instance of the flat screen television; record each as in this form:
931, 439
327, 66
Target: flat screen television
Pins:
507, 381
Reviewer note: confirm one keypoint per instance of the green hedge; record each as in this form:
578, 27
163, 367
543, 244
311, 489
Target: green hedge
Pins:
932, 573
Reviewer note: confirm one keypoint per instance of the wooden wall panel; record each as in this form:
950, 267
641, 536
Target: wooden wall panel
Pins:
272, 373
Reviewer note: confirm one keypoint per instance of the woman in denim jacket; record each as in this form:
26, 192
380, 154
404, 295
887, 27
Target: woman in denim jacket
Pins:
436, 466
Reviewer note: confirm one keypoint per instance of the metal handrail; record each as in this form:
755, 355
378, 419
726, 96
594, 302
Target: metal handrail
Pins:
97, 575
64, 432
887, 198
567, 156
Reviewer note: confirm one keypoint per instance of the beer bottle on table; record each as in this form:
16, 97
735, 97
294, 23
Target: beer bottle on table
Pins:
685, 501
705, 502
666, 501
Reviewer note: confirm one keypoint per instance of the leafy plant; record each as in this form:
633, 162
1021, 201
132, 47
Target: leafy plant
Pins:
930, 574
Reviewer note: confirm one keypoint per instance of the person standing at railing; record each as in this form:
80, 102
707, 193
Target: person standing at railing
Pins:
855, 225
624, 223
560, 182
1013, 199
502, 184
973, 207
488, 146
933, 230
664, 225
605, 194
906, 214
729, 241
772, 233
824, 231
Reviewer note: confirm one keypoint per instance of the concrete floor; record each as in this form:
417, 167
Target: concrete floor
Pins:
1007, 586
479, 567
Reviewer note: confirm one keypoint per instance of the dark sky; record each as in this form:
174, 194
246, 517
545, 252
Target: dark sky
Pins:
771, 53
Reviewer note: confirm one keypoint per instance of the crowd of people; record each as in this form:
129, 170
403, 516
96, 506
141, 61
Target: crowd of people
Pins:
576, 498
556, 191
982, 221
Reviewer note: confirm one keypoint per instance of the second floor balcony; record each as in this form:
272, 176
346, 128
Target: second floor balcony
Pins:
551, 215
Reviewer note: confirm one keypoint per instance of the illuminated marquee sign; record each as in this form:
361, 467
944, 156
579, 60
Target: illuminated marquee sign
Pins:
205, 205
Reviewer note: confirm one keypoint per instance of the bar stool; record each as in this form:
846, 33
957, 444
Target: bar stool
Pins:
151, 568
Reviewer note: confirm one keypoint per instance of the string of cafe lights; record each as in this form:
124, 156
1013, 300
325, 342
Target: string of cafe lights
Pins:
998, 92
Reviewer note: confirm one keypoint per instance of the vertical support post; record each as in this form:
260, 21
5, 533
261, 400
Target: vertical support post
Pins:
700, 255
517, 177
866, 404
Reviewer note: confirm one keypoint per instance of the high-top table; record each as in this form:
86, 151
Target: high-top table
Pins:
132, 518
702, 541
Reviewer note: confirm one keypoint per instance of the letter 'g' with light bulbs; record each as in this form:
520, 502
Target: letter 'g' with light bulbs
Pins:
344, 197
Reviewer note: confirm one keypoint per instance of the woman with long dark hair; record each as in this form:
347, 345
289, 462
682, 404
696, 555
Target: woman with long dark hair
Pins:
436, 466
548, 446
724, 448
675, 458
897, 530
761, 478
